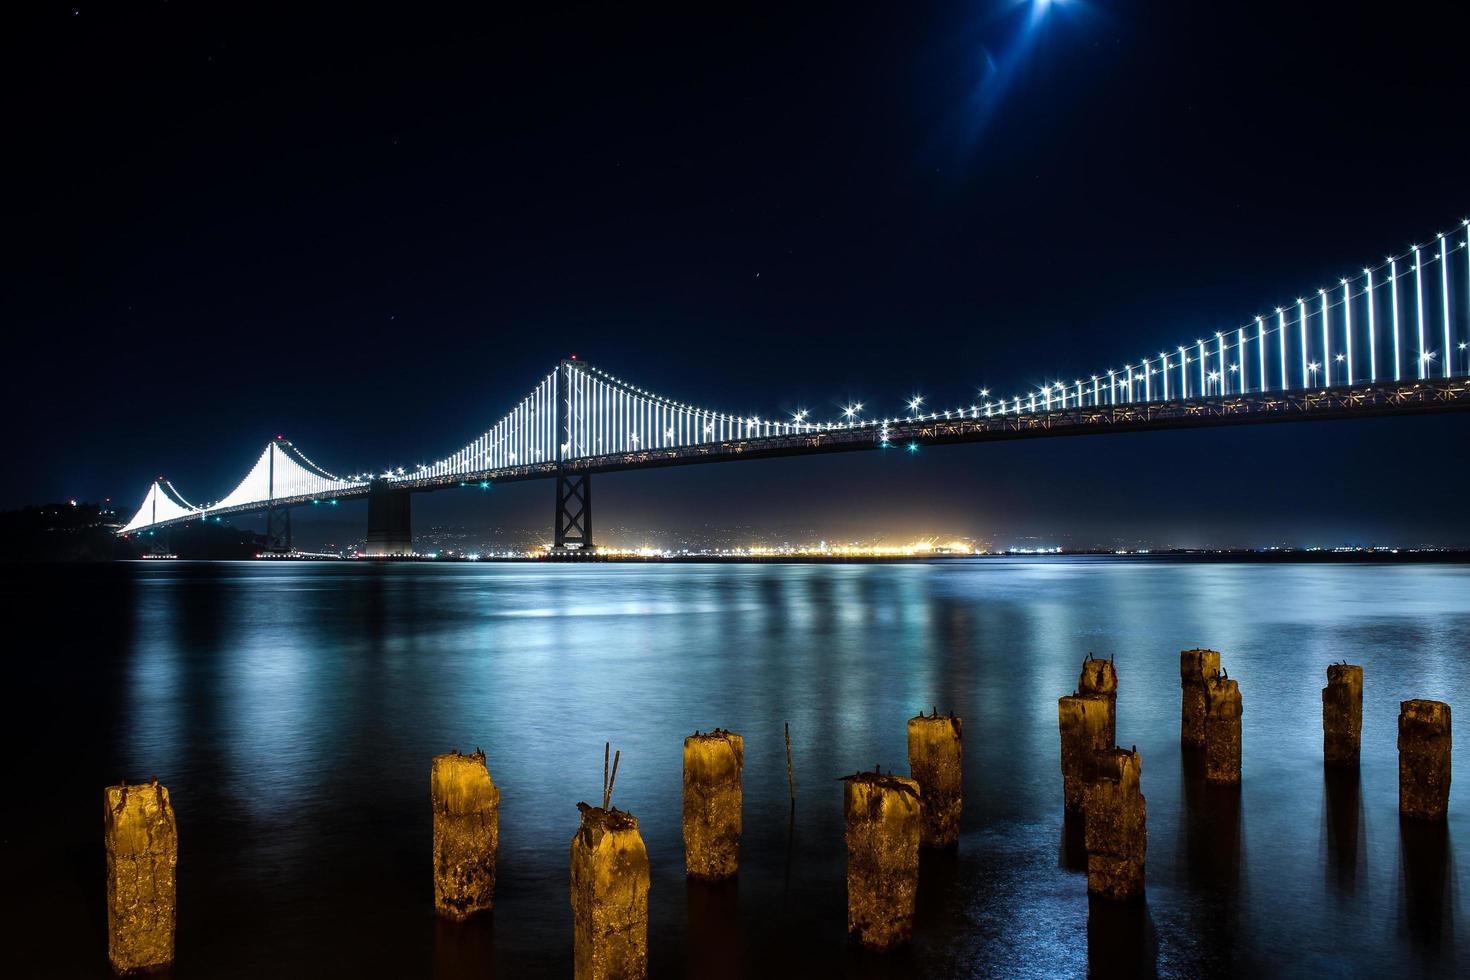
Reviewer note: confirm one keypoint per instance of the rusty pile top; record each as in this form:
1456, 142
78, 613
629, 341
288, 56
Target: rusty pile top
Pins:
883, 780
609, 820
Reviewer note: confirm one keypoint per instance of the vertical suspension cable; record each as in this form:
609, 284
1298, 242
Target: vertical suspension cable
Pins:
1302, 326
1326, 343
1419, 319
1444, 294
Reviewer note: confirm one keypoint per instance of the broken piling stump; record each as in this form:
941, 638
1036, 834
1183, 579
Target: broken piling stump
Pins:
1222, 730
936, 753
466, 833
1195, 666
1342, 714
1424, 759
1085, 722
142, 845
884, 817
1101, 677
712, 803
610, 879
1116, 825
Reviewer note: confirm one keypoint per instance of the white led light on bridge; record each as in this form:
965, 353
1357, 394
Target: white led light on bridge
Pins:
1301, 307
1326, 342
1419, 319
1444, 293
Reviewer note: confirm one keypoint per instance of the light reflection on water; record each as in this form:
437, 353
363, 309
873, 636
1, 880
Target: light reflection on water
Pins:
292, 711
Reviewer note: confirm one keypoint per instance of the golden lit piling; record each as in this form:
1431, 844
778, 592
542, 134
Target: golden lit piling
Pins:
1223, 709
1195, 667
884, 817
1086, 725
142, 845
1342, 714
1100, 677
1424, 759
609, 896
712, 803
935, 759
466, 833
1116, 825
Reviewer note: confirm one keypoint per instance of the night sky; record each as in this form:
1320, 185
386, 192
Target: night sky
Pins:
372, 232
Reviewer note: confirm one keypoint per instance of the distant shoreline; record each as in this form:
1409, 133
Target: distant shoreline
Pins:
1385, 557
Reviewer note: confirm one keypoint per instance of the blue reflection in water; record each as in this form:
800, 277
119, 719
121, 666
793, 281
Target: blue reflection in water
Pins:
293, 709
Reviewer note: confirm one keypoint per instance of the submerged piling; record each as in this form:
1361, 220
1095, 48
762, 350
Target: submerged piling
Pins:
883, 814
1424, 759
1101, 677
935, 761
712, 803
142, 844
1195, 667
610, 880
1342, 714
1223, 709
466, 833
1116, 825
1085, 722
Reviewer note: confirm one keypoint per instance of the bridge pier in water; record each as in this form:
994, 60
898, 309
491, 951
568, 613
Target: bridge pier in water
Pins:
390, 528
573, 527
278, 531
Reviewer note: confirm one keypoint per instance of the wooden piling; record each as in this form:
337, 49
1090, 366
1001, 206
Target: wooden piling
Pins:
936, 752
142, 844
466, 808
1424, 759
712, 803
1195, 666
1223, 709
1342, 714
610, 880
1116, 825
884, 817
1101, 677
1085, 722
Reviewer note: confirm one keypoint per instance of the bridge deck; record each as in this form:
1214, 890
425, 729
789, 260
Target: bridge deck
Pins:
1374, 400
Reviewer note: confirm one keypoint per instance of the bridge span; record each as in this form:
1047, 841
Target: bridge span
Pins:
1392, 341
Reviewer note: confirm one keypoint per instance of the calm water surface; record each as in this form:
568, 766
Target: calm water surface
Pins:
292, 711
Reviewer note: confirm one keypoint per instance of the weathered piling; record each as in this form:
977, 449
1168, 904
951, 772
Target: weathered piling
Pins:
1223, 709
1424, 759
1101, 677
1116, 825
466, 833
1342, 714
1195, 666
142, 845
936, 754
712, 803
1086, 725
883, 829
609, 896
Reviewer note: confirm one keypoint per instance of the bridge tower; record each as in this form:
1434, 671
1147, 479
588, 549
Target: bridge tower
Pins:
277, 518
572, 529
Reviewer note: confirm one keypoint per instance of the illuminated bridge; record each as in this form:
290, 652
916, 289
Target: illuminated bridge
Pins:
1394, 339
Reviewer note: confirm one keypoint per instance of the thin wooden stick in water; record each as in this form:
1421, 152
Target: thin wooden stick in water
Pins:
790, 772
606, 748
607, 797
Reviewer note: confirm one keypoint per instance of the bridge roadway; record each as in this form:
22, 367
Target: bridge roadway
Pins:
1372, 400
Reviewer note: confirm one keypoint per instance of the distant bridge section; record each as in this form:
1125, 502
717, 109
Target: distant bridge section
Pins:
1391, 341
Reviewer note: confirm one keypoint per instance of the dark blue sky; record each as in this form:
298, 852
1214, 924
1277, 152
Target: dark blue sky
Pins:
371, 232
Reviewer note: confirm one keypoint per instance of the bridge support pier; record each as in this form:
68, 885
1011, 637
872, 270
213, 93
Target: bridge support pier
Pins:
573, 513
390, 530
278, 531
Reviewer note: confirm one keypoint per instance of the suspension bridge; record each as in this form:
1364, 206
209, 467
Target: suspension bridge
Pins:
1393, 339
